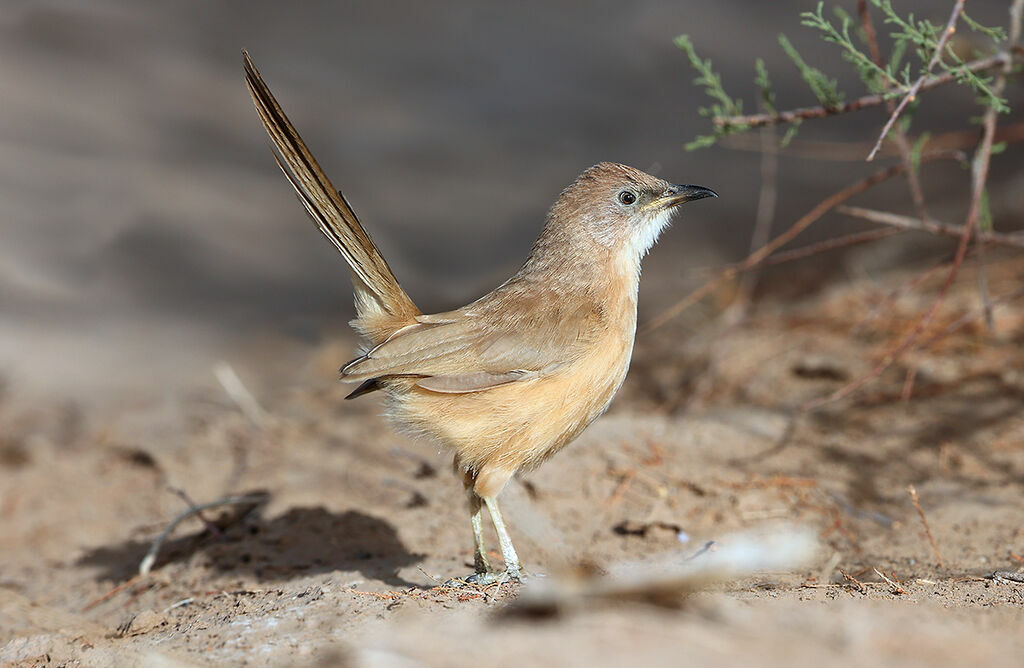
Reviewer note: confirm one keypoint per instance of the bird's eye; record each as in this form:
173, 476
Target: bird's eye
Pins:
627, 197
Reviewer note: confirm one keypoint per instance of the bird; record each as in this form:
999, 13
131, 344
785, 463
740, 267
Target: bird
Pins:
510, 379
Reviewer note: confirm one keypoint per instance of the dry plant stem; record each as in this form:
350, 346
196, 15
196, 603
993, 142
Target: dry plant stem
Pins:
1016, 19
902, 144
249, 499
970, 317
979, 176
866, 102
858, 585
738, 311
986, 297
869, 31
896, 589
834, 243
765, 203
931, 226
958, 8
908, 384
894, 295
113, 592
927, 529
210, 526
839, 151
799, 226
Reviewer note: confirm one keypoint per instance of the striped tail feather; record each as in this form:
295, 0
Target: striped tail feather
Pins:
382, 306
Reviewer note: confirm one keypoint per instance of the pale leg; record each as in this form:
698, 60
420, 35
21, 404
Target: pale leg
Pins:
480, 563
513, 569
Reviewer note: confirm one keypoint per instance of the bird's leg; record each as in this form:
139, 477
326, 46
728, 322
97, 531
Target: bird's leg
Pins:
480, 563
513, 569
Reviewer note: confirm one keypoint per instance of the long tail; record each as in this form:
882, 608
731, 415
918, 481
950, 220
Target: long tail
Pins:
382, 306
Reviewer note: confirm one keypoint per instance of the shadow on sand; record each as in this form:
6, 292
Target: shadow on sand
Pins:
301, 541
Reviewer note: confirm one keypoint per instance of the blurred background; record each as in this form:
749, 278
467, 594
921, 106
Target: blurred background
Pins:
145, 231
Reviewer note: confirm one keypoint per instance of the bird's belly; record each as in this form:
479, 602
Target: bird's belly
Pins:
520, 424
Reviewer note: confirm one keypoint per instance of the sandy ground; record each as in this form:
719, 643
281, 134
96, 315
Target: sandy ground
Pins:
147, 234
346, 560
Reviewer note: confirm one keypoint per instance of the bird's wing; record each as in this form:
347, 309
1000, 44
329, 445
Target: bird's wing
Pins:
462, 352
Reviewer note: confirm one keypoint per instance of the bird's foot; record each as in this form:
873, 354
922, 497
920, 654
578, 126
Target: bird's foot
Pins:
487, 578
491, 577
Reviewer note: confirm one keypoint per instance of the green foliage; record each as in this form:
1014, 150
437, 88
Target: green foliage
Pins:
873, 76
765, 84
722, 105
917, 149
997, 33
893, 78
924, 36
790, 133
825, 89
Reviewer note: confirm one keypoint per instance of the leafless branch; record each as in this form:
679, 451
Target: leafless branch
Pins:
842, 151
765, 203
245, 500
968, 318
799, 226
929, 225
834, 243
924, 521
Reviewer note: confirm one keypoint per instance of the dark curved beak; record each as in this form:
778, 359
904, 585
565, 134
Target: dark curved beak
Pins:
675, 195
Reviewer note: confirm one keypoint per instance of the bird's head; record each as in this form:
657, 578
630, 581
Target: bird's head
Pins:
621, 207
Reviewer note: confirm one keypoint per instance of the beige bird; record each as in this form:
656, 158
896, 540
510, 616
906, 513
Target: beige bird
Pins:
510, 379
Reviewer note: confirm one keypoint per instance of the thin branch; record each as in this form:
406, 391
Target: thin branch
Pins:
866, 102
245, 500
986, 297
210, 526
1016, 18
902, 143
799, 226
924, 521
958, 8
893, 296
968, 318
930, 225
841, 151
979, 174
869, 33
844, 241
765, 205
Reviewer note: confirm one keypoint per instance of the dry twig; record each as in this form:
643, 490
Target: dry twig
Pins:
896, 589
958, 8
902, 143
971, 317
857, 584
245, 500
866, 102
924, 521
979, 174
929, 225
834, 243
113, 592
799, 226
